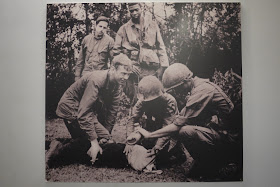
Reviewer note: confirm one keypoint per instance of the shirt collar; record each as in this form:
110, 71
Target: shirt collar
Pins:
98, 37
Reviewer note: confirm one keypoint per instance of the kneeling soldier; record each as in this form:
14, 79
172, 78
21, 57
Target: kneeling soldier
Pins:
88, 108
203, 124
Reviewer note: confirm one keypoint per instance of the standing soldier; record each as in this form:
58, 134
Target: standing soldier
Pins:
203, 124
88, 108
141, 41
96, 50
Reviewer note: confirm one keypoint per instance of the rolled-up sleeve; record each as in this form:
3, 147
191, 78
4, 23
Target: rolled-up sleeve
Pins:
86, 117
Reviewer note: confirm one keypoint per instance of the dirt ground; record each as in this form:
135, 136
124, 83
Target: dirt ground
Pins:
84, 172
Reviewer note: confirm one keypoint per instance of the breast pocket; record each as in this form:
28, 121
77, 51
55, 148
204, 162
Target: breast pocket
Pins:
103, 54
88, 54
150, 35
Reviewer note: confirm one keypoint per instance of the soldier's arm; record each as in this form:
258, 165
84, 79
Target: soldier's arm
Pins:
165, 131
110, 51
136, 115
118, 42
81, 61
171, 112
196, 103
112, 111
86, 117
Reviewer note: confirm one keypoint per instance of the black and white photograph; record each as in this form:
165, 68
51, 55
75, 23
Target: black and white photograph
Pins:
143, 92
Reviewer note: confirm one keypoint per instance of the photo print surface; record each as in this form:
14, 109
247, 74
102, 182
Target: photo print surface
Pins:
143, 92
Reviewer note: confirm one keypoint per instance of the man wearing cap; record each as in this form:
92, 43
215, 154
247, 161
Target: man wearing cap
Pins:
141, 40
203, 124
96, 50
88, 108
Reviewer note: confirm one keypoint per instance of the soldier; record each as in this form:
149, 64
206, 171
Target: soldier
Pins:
141, 40
160, 109
88, 108
96, 50
203, 123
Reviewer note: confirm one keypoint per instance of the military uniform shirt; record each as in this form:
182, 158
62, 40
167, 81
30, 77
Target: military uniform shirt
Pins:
78, 101
94, 54
206, 99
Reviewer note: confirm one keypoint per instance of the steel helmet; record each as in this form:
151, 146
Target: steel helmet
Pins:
174, 75
149, 88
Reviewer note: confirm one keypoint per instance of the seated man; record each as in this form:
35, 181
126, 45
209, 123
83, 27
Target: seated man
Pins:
203, 124
89, 107
159, 108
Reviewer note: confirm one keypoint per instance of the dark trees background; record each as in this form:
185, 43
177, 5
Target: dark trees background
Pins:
204, 36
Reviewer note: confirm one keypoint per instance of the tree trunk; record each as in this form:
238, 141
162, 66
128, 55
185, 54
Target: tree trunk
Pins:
87, 21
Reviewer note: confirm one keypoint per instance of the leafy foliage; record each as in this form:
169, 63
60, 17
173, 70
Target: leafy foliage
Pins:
230, 83
203, 36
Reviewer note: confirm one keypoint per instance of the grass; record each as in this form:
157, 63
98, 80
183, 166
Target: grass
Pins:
84, 172
55, 128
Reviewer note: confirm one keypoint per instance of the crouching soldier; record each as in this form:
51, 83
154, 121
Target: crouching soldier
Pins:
203, 124
89, 107
160, 110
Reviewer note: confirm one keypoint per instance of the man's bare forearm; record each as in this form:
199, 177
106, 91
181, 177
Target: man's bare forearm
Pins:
165, 131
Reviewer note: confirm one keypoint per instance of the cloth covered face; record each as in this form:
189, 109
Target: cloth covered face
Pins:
139, 159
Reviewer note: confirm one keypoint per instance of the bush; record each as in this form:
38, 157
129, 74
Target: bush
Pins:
230, 83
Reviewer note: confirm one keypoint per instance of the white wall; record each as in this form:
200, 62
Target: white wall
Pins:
22, 77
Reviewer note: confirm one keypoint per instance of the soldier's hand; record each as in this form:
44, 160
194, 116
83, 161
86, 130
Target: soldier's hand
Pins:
94, 150
153, 151
127, 149
129, 138
103, 141
106, 141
